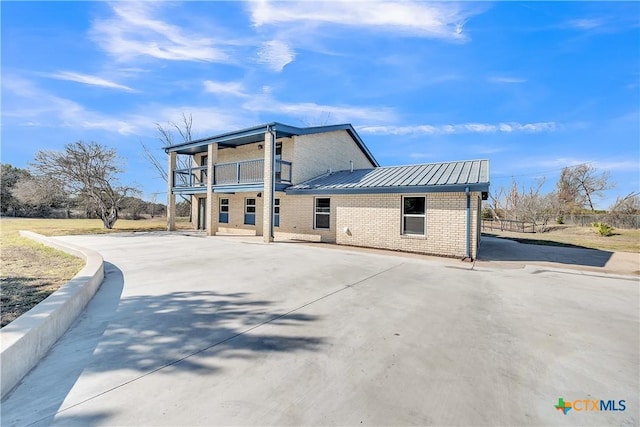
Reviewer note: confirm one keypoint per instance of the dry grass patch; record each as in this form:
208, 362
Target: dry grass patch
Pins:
585, 237
31, 271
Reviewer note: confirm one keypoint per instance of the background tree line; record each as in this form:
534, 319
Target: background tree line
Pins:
82, 180
577, 189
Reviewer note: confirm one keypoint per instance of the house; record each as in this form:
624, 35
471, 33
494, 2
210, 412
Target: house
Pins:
323, 184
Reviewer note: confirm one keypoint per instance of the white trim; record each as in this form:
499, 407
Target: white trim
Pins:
403, 215
316, 213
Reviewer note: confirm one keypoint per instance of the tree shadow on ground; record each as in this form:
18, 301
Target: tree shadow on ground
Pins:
493, 248
131, 337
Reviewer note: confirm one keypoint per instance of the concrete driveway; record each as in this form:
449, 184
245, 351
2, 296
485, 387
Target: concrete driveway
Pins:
189, 330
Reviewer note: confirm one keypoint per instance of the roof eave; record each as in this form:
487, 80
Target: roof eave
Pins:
455, 188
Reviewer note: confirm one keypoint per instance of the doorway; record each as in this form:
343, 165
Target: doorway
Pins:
202, 213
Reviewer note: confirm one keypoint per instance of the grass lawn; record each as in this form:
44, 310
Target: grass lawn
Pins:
30, 271
571, 236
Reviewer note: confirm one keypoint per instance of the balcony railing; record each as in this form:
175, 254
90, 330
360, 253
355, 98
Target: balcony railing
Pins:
245, 172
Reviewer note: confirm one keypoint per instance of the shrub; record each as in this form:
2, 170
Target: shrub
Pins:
603, 229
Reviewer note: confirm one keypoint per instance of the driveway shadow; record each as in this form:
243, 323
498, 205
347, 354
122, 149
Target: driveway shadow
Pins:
500, 249
133, 336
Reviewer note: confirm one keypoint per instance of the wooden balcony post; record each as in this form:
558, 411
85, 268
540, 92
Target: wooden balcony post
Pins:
212, 199
171, 198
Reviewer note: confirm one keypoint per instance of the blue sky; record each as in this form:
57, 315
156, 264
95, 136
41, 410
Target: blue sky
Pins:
531, 86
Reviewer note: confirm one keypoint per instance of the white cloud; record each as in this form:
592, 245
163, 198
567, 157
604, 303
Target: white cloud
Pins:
415, 18
586, 23
89, 80
32, 106
602, 165
460, 128
134, 31
225, 88
506, 79
276, 54
303, 110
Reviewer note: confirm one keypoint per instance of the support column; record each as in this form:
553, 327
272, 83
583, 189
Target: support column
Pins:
212, 199
171, 198
267, 193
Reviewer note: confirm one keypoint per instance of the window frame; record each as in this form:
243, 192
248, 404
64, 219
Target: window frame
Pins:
316, 213
247, 213
221, 212
404, 215
278, 161
276, 212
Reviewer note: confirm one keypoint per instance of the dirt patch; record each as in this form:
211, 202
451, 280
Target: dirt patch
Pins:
30, 273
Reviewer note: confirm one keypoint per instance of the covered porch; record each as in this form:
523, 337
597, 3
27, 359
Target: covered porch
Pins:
209, 179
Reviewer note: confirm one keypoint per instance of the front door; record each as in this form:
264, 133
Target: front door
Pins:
202, 213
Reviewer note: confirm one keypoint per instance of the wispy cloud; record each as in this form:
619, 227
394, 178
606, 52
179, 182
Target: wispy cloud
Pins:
414, 18
302, 110
225, 88
602, 165
506, 79
89, 80
276, 54
32, 106
460, 128
586, 23
36, 107
134, 31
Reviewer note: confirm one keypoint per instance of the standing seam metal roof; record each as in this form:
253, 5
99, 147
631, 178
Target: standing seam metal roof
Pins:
454, 176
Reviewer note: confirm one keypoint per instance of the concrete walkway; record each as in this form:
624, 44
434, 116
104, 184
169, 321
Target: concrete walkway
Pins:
508, 253
188, 330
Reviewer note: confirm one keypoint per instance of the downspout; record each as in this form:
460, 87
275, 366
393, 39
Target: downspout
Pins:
468, 251
272, 131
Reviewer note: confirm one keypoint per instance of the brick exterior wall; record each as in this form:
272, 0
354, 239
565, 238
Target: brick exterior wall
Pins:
375, 220
368, 220
314, 154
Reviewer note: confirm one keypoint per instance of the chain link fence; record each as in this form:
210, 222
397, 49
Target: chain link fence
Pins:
617, 220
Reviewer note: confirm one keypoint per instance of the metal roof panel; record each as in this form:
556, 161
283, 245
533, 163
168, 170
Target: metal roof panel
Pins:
452, 176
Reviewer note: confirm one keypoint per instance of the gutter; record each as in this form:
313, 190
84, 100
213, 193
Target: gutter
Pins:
272, 190
468, 249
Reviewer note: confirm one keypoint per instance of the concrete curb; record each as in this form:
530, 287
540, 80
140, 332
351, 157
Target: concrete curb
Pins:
28, 338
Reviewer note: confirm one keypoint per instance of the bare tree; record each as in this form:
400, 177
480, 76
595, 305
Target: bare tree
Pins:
496, 206
166, 137
580, 185
630, 204
9, 177
625, 211
530, 206
153, 200
87, 170
38, 194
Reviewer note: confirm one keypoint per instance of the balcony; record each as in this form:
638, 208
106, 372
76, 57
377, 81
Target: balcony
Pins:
229, 174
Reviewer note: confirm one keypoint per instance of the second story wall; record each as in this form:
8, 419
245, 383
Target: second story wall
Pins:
252, 152
314, 154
